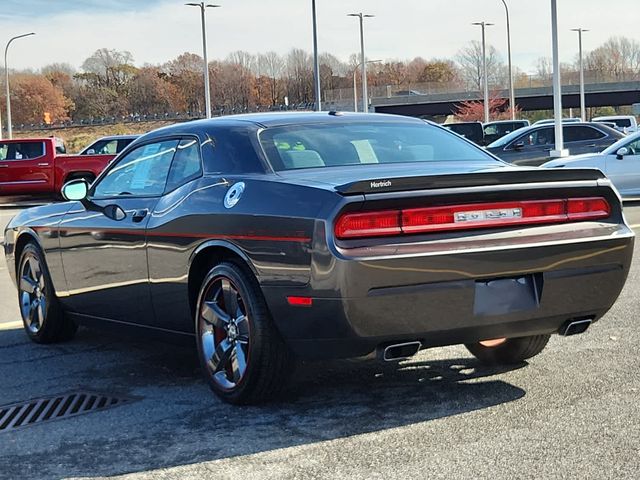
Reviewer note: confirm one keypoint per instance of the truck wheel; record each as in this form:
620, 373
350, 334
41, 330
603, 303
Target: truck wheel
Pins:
43, 318
243, 357
509, 351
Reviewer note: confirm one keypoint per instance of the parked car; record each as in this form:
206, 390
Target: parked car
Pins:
470, 130
35, 166
498, 129
620, 162
111, 145
269, 236
624, 123
532, 145
549, 121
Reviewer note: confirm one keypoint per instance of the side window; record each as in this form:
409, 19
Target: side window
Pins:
186, 164
142, 172
21, 151
541, 136
634, 147
580, 134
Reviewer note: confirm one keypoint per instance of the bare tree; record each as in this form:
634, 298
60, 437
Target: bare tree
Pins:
469, 60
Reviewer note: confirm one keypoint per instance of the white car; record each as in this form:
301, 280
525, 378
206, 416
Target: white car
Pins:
627, 124
620, 162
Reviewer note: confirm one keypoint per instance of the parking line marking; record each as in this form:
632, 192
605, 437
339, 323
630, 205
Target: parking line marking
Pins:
10, 325
633, 227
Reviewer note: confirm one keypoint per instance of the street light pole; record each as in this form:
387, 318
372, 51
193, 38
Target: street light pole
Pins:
316, 60
557, 86
207, 86
583, 107
484, 69
363, 62
512, 96
355, 86
6, 79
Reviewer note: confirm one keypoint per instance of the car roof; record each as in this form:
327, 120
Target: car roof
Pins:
505, 121
276, 119
117, 137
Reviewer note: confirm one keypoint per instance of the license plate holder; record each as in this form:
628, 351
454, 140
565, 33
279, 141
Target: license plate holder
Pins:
502, 296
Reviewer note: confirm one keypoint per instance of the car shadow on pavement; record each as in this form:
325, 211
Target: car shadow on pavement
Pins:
178, 421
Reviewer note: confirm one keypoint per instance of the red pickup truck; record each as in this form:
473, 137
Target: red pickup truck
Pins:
37, 166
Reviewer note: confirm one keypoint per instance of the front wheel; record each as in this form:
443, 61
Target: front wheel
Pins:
241, 353
508, 351
43, 318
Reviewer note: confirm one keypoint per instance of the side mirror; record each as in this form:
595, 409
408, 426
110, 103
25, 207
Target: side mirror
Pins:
75, 190
91, 151
622, 152
518, 145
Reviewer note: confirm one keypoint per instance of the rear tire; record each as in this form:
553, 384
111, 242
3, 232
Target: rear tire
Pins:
512, 351
43, 318
243, 357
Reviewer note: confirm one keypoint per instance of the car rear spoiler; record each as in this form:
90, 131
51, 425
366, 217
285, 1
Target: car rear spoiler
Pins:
492, 177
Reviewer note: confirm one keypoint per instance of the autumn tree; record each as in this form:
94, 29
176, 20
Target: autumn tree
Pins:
32, 95
151, 93
186, 74
439, 71
473, 111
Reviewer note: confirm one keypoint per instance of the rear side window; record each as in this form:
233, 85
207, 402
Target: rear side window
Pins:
186, 164
21, 151
331, 145
581, 133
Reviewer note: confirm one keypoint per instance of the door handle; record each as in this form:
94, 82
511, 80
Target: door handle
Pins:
139, 215
43, 164
591, 146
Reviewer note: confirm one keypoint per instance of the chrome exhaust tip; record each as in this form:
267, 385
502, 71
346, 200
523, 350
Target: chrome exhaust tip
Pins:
400, 351
575, 326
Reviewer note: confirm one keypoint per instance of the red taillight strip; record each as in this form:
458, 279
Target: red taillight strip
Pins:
469, 216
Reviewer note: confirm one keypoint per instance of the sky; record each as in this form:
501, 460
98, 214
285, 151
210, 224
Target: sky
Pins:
160, 30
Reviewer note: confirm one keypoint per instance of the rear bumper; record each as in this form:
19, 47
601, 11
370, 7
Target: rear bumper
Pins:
441, 297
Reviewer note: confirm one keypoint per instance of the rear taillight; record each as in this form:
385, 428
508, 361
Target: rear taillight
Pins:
469, 216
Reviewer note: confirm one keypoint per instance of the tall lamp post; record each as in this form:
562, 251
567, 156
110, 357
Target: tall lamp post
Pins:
316, 60
6, 79
484, 68
363, 62
355, 87
207, 87
557, 86
583, 107
512, 95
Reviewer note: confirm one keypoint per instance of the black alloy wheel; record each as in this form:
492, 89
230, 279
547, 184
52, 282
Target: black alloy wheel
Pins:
241, 353
43, 319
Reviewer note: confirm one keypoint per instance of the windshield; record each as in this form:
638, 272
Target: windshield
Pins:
332, 145
501, 142
623, 142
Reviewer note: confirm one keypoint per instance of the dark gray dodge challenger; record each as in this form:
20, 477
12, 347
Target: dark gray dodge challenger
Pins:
272, 237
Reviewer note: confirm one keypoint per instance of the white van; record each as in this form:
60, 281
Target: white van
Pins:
624, 123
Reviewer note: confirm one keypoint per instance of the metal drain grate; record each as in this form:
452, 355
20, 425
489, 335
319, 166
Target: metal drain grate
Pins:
47, 409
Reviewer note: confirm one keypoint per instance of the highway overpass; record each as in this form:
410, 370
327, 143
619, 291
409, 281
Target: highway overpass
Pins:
528, 99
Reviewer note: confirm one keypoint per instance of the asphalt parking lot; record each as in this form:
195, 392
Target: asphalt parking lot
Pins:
572, 412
